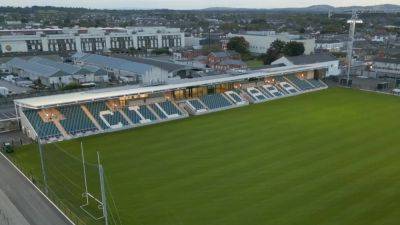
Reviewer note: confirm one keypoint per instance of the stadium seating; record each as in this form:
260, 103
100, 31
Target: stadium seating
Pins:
317, 83
235, 97
157, 110
272, 90
75, 121
256, 94
196, 104
113, 119
170, 108
285, 86
300, 83
135, 118
45, 130
215, 101
146, 113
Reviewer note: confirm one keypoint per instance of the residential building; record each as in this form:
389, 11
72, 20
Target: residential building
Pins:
384, 67
330, 45
225, 60
89, 39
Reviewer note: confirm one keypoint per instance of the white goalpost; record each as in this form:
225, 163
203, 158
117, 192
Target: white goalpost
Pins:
90, 197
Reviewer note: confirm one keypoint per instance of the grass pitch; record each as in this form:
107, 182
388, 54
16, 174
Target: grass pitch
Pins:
329, 157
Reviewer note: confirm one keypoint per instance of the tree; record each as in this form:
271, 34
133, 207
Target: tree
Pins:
274, 52
293, 48
240, 45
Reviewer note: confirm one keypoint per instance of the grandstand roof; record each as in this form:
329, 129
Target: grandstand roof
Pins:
107, 93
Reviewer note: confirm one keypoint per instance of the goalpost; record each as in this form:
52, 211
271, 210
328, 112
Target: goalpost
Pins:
75, 183
101, 203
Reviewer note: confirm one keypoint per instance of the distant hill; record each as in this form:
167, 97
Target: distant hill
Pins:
317, 8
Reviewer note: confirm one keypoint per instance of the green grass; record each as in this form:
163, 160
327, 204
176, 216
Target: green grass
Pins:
255, 63
330, 157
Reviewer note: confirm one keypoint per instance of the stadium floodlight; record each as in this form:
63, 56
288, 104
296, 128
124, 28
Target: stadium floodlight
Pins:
352, 21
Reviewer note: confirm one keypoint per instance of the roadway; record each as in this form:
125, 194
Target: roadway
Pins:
23, 202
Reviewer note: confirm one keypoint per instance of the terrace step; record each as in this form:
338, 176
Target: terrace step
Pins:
125, 117
61, 128
152, 111
91, 117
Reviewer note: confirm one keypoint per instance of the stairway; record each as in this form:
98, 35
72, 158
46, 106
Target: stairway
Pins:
61, 128
90, 116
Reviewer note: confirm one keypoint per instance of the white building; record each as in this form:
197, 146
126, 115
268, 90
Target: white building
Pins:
327, 60
330, 45
260, 41
89, 39
386, 67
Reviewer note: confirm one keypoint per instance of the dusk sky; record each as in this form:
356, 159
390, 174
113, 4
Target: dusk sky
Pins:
189, 4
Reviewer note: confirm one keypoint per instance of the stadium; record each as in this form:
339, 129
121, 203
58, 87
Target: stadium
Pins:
66, 116
218, 150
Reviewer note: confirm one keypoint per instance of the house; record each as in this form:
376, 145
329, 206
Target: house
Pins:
217, 57
230, 64
326, 60
225, 60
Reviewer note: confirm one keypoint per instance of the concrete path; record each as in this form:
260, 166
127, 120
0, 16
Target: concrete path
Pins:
23, 202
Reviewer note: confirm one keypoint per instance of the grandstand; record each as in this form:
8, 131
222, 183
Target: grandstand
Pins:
71, 115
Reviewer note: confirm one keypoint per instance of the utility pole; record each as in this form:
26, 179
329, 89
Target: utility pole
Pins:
352, 21
43, 166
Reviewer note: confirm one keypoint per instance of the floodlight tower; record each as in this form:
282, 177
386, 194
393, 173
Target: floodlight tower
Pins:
352, 21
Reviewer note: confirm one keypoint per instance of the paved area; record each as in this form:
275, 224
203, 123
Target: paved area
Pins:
30, 204
15, 137
9, 214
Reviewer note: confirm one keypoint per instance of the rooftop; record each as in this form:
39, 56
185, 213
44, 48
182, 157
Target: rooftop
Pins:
165, 65
35, 68
107, 93
114, 63
309, 59
65, 67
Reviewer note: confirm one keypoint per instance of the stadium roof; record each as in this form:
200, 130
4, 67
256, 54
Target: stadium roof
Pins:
309, 59
35, 68
107, 93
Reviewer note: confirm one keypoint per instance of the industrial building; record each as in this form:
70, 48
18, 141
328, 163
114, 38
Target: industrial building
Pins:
53, 73
330, 62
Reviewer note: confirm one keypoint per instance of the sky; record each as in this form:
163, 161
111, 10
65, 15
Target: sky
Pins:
190, 4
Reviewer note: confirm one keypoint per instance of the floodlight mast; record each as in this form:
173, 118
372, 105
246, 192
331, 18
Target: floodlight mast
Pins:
352, 21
